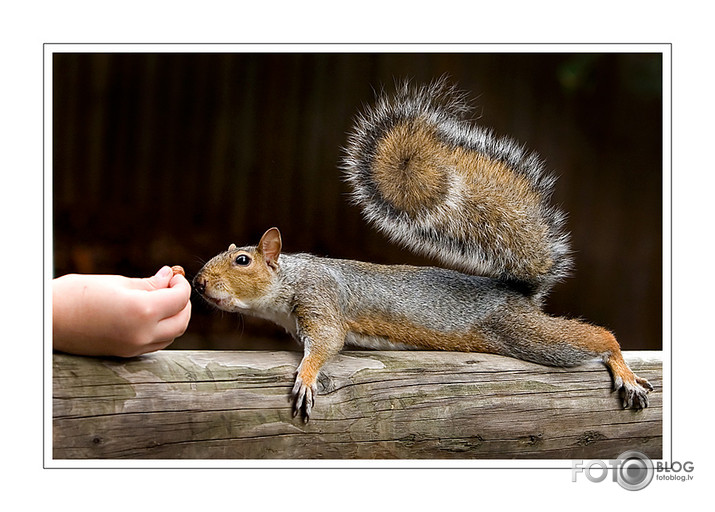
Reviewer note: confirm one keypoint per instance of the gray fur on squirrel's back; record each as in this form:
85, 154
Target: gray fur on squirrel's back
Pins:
420, 295
445, 188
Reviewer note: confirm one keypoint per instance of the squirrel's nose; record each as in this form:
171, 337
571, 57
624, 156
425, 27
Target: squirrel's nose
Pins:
200, 284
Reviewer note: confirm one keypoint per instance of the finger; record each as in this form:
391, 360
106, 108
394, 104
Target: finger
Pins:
167, 302
168, 330
153, 347
177, 279
156, 282
171, 328
160, 279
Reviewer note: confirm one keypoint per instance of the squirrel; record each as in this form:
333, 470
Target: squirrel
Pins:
443, 187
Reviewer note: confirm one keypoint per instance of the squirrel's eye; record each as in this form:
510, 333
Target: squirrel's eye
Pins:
242, 260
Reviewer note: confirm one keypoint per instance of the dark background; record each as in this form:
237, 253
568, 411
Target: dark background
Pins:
168, 158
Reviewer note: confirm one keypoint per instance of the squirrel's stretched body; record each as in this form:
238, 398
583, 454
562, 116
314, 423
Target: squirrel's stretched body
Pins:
442, 187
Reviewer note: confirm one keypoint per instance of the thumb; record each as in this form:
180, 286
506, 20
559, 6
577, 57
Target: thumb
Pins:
160, 279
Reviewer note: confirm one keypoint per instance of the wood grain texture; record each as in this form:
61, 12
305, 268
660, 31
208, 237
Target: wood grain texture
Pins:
370, 405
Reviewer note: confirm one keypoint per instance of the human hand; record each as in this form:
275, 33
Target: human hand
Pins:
113, 315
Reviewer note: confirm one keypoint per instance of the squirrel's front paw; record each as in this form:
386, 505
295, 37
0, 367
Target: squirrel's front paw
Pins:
303, 396
634, 392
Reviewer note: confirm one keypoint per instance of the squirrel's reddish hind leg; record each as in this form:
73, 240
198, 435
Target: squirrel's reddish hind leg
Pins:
634, 390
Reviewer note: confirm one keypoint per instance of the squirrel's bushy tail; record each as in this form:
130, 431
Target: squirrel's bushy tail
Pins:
446, 188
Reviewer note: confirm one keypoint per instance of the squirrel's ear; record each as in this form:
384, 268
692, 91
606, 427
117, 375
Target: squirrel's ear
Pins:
270, 246
232, 247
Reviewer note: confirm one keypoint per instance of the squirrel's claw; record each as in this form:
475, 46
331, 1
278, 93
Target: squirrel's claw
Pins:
644, 383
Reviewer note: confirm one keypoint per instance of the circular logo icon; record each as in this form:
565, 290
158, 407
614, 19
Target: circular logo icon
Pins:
635, 470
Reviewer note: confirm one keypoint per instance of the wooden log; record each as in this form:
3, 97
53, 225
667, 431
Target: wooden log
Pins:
371, 405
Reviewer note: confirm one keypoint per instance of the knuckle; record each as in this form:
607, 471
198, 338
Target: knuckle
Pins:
143, 310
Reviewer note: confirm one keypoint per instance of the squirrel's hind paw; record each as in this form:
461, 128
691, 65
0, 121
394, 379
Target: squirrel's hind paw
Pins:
633, 389
635, 394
